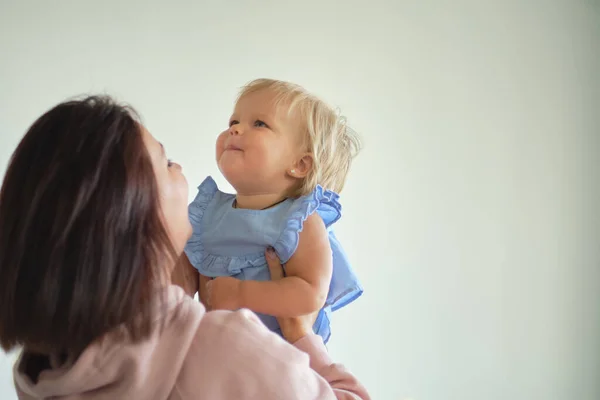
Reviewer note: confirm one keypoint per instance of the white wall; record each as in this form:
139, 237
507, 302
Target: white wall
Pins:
472, 214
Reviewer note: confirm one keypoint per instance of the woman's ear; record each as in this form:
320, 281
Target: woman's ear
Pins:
302, 167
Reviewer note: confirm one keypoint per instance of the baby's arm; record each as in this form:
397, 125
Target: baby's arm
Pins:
308, 274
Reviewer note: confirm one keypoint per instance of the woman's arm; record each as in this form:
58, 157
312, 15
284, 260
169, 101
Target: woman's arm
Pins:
302, 291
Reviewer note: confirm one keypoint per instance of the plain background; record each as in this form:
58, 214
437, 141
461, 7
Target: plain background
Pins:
471, 216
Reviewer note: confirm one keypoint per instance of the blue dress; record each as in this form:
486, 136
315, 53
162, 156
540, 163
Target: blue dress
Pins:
228, 241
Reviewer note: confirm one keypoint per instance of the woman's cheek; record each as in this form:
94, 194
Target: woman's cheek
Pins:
184, 193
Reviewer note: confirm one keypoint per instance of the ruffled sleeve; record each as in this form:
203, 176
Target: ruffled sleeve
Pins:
325, 202
194, 249
345, 286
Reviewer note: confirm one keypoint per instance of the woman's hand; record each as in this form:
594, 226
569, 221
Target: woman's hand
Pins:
293, 329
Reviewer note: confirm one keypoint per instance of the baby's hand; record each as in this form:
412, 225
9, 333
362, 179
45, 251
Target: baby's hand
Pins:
223, 293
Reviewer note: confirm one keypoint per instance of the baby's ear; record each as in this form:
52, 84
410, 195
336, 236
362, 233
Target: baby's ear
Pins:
302, 167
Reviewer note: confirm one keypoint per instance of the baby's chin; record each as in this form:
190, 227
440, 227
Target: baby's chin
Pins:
234, 174
243, 182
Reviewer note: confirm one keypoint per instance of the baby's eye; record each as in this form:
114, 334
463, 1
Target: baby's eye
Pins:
260, 124
169, 163
233, 122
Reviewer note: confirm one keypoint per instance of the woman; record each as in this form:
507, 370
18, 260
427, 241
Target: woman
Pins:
93, 218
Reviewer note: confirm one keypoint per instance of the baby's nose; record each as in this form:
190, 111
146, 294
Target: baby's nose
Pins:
235, 130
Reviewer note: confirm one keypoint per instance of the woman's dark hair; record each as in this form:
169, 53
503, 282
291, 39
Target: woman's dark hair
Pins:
82, 242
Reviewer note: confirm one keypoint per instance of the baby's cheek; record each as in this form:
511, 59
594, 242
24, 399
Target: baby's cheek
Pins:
270, 150
265, 160
220, 144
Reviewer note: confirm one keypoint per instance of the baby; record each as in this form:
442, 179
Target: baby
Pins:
287, 154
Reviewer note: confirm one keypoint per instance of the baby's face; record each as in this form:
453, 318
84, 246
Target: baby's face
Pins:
260, 147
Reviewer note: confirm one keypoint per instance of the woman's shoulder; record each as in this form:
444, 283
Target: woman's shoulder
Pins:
234, 355
222, 335
218, 329
237, 335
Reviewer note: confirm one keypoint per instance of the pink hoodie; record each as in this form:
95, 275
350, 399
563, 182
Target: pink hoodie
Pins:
197, 355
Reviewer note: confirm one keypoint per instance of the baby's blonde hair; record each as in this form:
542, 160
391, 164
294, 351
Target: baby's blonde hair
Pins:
331, 142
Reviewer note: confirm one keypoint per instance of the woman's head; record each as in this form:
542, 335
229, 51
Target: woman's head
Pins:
281, 134
92, 216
